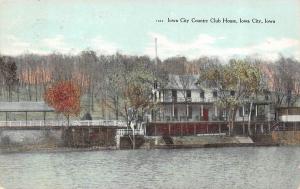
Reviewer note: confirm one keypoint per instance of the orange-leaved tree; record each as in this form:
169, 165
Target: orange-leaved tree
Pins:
64, 97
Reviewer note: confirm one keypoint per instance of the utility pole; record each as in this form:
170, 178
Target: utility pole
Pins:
155, 51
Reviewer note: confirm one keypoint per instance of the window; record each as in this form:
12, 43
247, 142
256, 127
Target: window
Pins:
174, 95
190, 112
188, 94
215, 94
247, 109
266, 97
202, 94
241, 113
159, 95
175, 112
155, 84
260, 110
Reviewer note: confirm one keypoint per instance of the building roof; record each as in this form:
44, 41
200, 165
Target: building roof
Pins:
182, 82
25, 107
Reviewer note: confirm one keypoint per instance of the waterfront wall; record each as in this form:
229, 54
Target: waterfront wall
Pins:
126, 142
105, 137
9, 138
286, 137
58, 137
184, 128
90, 137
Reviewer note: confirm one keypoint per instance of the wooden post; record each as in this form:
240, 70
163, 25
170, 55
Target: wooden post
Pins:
26, 118
180, 129
68, 117
216, 111
82, 138
169, 129
133, 142
44, 118
99, 135
206, 127
256, 110
173, 110
243, 127
89, 135
73, 138
194, 129
155, 132
106, 137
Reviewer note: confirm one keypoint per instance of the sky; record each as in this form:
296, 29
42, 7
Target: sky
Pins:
130, 27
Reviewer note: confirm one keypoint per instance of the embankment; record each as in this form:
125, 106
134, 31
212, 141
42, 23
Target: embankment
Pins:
286, 137
105, 138
71, 137
164, 142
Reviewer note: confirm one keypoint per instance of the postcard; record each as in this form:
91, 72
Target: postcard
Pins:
150, 94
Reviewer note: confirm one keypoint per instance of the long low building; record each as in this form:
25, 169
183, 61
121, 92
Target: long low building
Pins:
289, 114
26, 107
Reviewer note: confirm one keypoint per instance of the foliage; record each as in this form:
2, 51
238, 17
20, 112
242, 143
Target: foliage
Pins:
8, 74
283, 81
64, 96
240, 76
130, 89
104, 79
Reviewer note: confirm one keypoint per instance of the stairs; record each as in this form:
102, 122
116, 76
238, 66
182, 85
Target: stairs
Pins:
276, 126
168, 140
263, 140
245, 140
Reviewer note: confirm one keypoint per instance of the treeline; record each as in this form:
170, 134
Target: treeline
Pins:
107, 80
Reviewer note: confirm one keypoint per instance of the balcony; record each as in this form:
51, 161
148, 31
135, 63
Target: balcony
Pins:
189, 100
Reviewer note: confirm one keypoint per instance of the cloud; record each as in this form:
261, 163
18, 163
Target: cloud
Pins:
56, 43
169, 48
11, 45
102, 46
205, 45
202, 45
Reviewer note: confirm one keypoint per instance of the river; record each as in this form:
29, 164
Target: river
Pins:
249, 167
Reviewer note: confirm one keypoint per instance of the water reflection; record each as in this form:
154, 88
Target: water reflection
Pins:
272, 167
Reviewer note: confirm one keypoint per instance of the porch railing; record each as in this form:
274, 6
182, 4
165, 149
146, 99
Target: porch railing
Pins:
49, 123
126, 132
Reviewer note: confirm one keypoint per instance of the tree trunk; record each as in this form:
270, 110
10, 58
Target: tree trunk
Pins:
36, 90
232, 115
9, 93
68, 117
233, 118
18, 92
186, 110
133, 139
29, 91
249, 119
103, 107
117, 107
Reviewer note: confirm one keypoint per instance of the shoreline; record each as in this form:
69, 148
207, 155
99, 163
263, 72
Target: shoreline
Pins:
153, 142
8, 150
